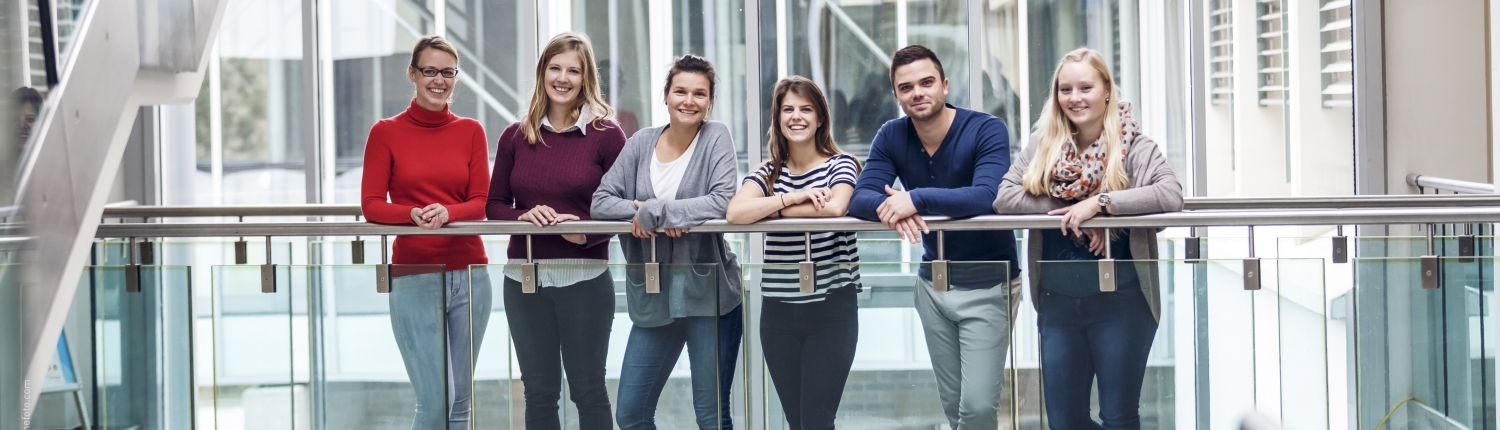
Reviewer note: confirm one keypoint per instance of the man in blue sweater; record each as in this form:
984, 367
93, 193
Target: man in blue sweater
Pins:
950, 161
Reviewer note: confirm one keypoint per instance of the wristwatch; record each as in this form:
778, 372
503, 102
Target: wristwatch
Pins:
1104, 202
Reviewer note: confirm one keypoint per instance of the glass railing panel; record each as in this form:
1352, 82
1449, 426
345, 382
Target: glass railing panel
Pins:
1302, 325
1436, 346
254, 384
11, 325
867, 339
1074, 313
579, 311
382, 354
1413, 415
1468, 290
341, 252
205, 253
1416, 246
142, 354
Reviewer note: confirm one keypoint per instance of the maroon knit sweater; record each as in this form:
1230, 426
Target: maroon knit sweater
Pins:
561, 173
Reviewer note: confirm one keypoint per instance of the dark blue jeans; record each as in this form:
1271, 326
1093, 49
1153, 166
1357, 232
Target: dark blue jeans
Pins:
557, 330
713, 345
1105, 336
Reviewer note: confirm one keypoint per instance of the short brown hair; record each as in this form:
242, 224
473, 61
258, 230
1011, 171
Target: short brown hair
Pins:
912, 54
432, 42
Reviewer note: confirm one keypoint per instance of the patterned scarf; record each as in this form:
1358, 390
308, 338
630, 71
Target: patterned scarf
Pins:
1080, 176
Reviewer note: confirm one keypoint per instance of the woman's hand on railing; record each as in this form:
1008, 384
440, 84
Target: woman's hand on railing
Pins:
637, 231
1077, 214
543, 216
431, 217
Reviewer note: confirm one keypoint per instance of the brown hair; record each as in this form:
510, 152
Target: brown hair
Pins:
778, 145
432, 42
589, 98
693, 64
912, 54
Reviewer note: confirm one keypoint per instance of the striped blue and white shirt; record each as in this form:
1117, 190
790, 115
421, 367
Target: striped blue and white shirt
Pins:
835, 253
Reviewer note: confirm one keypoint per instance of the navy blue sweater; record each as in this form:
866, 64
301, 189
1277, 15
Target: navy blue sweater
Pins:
960, 181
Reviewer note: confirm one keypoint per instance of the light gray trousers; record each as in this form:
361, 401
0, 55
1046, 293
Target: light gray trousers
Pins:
968, 336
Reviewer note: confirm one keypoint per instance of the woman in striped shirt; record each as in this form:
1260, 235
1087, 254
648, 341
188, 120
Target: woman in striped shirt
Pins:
808, 334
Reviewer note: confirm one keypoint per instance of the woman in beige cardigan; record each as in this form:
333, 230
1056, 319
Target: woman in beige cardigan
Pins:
1086, 158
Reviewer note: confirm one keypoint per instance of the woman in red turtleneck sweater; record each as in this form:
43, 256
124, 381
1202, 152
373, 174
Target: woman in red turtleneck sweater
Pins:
433, 165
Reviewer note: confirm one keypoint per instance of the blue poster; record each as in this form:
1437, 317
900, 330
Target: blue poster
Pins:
60, 374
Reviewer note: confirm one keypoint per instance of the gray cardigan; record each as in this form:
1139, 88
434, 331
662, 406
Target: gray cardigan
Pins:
692, 265
1153, 189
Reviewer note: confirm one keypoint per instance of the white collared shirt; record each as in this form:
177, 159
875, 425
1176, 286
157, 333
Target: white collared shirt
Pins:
585, 116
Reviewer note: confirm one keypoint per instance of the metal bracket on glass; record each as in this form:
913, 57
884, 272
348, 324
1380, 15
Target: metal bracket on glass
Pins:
382, 270
1107, 267
147, 252
268, 271
357, 249
940, 268
528, 271
653, 271
132, 269
806, 272
1429, 263
1466, 244
241, 252
1340, 247
1252, 266
1193, 250
242, 249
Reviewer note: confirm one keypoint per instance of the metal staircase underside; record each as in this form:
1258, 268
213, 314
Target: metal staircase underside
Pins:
124, 54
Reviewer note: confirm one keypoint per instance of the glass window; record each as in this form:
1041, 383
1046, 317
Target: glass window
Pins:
248, 117
372, 44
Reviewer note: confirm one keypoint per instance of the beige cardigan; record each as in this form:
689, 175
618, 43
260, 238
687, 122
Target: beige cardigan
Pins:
1153, 189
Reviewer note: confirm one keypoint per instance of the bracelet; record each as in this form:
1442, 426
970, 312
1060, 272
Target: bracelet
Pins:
783, 202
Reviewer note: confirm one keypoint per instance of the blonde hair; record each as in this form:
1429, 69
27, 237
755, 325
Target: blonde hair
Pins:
589, 98
1056, 130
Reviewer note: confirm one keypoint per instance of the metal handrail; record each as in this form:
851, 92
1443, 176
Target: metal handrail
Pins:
1421, 215
1189, 203
1437, 183
231, 211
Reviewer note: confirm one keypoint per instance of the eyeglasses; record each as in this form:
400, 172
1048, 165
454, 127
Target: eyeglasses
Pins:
447, 73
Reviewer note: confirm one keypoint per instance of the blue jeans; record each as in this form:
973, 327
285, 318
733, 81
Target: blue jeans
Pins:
713, 345
1107, 336
424, 308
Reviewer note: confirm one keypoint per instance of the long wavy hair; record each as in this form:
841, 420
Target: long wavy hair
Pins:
778, 145
1057, 131
590, 97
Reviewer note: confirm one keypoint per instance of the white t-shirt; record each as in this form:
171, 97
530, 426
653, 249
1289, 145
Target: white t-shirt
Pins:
667, 177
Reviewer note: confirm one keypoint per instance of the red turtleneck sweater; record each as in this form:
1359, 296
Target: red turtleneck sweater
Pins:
421, 157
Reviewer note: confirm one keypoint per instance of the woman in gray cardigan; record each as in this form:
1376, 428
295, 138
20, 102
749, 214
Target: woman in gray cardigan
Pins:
1121, 173
675, 177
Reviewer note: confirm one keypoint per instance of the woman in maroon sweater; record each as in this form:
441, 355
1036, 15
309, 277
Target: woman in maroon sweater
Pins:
431, 163
547, 167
